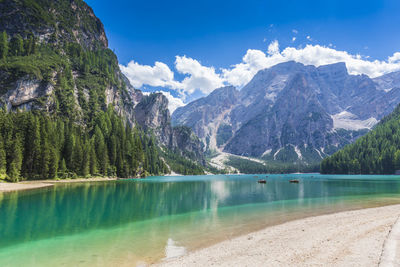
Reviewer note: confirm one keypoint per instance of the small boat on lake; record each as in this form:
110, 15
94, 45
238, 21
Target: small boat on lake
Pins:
262, 181
294, 181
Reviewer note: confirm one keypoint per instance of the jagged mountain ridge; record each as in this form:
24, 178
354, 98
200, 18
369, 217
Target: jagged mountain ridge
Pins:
292, 112
67, 33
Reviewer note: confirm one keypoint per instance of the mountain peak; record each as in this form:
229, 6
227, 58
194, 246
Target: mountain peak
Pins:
339, 67
54, 22
224, 90
287, 66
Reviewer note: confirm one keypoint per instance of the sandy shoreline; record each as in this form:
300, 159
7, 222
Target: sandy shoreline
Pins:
26, 185
351, 238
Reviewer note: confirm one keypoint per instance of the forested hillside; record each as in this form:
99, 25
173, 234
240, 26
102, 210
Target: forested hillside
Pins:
378, 152
37, 146
66, 108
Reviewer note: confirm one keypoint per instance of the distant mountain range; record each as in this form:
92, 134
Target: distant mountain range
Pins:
291, 112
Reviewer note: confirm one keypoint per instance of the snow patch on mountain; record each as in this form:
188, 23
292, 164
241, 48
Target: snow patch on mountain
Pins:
277, 152
348, 121
267, 152
298, 152
319, 153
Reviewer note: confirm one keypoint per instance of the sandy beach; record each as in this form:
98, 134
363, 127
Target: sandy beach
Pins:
26, 185
351, 238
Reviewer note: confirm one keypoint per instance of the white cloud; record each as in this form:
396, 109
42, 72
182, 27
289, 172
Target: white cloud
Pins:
255, 60
273, 48
240, 74
395, 58
158, 75
293, 39
309, 38
206, 79
199, 77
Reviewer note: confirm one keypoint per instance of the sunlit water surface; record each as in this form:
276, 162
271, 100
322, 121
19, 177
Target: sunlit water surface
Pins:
133, 222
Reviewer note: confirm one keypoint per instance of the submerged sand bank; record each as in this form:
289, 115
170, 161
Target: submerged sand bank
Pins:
9, 187
26, 185
351, 238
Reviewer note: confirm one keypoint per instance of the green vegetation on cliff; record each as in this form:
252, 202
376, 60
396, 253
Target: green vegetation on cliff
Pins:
378, 152
58, 76
252, 167
71, 69
34, 145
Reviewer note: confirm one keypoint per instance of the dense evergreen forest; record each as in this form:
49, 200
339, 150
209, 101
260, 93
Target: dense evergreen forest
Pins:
378, 152
34, 145
252, 167
75, 133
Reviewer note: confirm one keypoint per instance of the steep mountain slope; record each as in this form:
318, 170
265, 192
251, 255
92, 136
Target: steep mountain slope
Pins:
152, 114
210, 111
292, 112
54, 59
378, 152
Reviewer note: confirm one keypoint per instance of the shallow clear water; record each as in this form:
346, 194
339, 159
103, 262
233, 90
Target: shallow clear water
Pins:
141, 221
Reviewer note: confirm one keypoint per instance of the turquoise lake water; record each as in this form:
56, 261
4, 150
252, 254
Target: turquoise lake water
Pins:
132, 222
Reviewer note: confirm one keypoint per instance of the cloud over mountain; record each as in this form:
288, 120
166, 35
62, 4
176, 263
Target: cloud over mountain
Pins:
197, 76
206, 78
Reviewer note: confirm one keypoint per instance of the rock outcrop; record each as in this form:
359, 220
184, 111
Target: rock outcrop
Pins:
291, 112
153, 115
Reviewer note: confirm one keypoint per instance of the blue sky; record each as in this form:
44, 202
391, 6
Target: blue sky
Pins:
219, 34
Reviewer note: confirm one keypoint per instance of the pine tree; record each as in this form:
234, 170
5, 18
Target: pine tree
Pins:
32, 156
17, 46
63, 168
45, 160
77, 157
3, 160
68, 147
53, 164
93, 159
101, 151
15, 160
29, 46
85, 168
3, 45
397, 160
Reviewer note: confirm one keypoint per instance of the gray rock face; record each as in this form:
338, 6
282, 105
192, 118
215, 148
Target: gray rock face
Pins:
209, 111
291, 112
26, 90
152, 113
388, 81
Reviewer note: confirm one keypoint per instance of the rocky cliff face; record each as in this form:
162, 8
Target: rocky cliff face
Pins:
54, 25
53, 22
210, 111
73, 73
291, 112
153, 115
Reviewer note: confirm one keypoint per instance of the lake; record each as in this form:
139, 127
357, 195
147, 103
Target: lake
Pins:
132, 222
